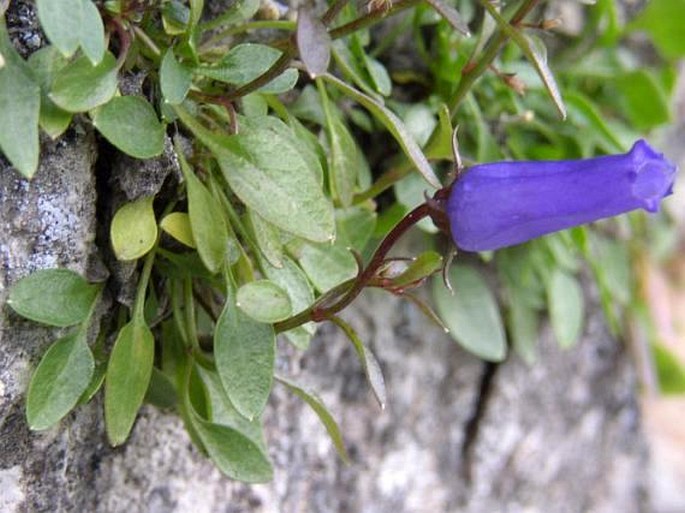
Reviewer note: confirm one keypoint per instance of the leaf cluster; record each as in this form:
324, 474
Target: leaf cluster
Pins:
274, 225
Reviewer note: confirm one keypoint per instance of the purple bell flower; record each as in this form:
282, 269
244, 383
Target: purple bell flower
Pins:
505, 203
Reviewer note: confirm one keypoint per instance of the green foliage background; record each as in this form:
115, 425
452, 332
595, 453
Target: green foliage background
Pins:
298, 155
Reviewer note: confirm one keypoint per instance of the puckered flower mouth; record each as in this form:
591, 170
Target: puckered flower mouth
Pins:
505, 203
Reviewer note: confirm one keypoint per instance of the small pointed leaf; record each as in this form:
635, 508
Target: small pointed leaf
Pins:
566, 307
177, 224
322, 412
175, 79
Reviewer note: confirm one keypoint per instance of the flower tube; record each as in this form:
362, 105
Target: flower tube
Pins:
500, 204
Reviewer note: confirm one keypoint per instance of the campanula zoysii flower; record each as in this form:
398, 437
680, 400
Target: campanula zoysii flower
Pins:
505, 203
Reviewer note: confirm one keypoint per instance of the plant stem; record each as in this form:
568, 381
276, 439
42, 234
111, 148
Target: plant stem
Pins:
333, 11
320, 313
371, 18
471, 74
276, 69
139, 305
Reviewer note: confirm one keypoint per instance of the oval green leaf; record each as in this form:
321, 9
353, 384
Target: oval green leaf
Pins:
177, 224
264, 301
80, 86
313, 42
130, 123
57, 297
128, 376
19, 110
92, 32
566, 307
471, 314
62, 375
245, 353
61, 21
134, 230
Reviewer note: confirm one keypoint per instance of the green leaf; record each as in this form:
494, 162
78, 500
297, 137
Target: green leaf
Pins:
19, 109
394, 126
206, 219
644, 100
223, 412
235, 454
177, 224
313, 42
80, 86
354, 227
471, 314
523, 327
566, 306
61, 21
316, 404
264, 301
245, 62
342, 154
420, 268
134, 230
291, 279
175, 79
663, 20
439, 146
92, 37
269, 173
268, 239
57, 297
161, 391
372, 369
245, 354
669, 369
327, 265
128, 377
45, 63
62, 375
175, 17
612, 265
379, 75
130, 123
